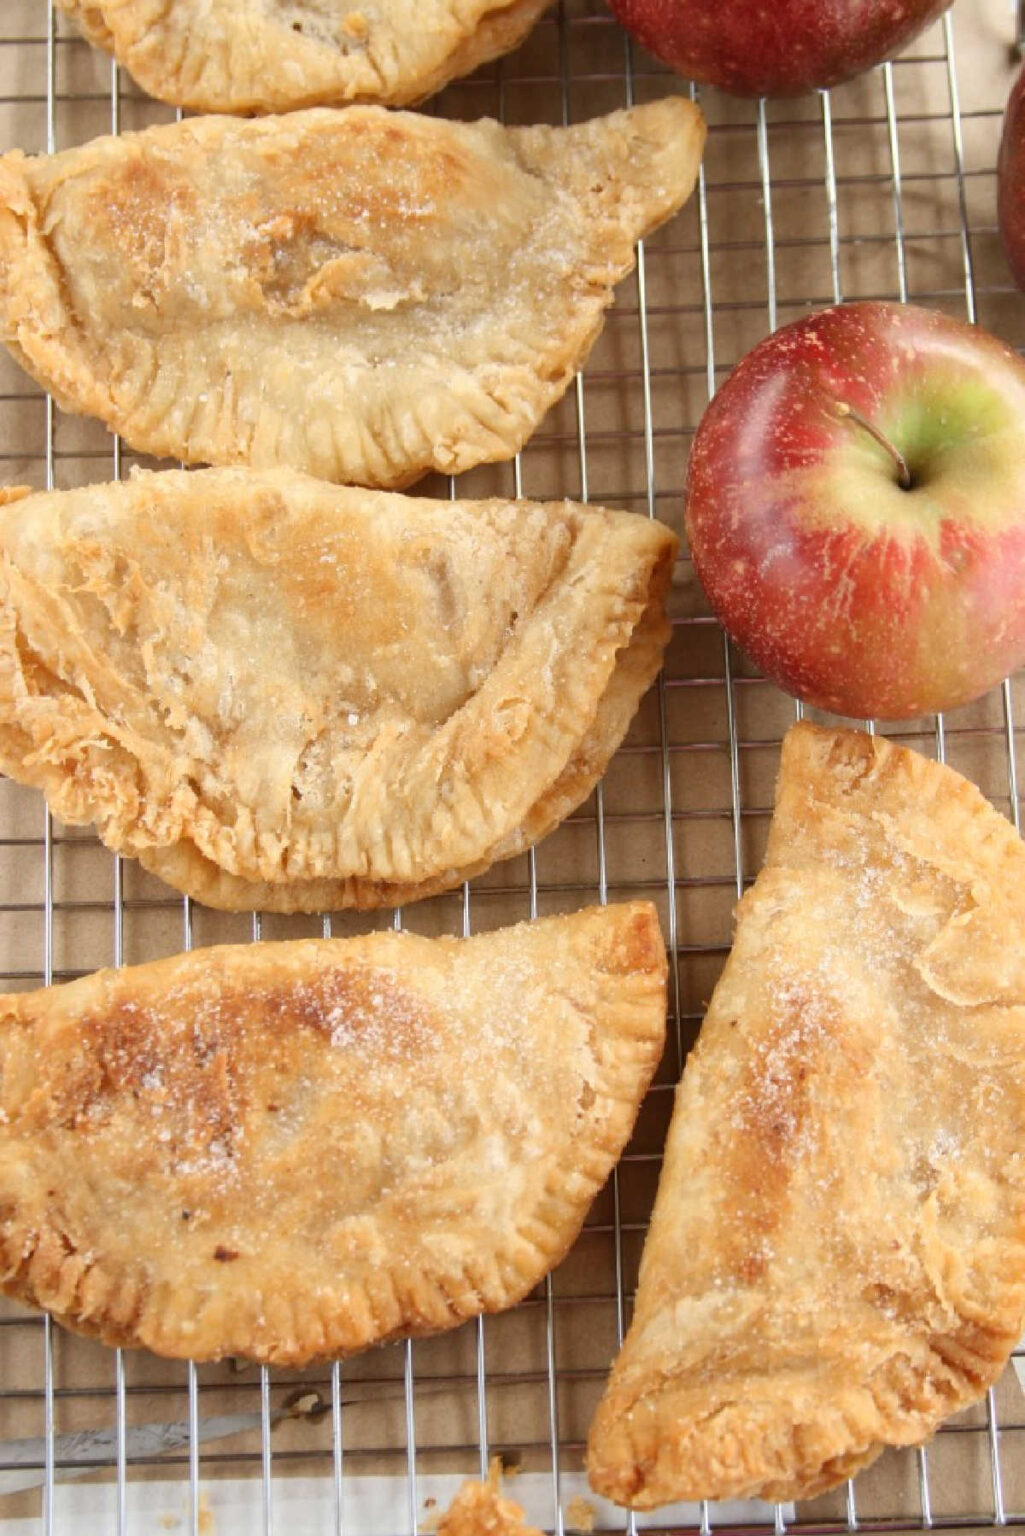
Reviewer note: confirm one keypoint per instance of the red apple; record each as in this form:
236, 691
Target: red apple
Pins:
777, 49
1011, 180
856, 509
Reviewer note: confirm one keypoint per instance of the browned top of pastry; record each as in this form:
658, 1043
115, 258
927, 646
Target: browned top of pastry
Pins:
260, 56
836, 1260
292, 1151
284, 695
360, 294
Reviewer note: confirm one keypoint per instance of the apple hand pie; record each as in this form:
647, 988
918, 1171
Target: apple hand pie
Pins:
836, 1259
289, 1152
362, 294
251, 56
282, 694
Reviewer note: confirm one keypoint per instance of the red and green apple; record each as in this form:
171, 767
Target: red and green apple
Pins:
855, 507
778, 49
1011, 180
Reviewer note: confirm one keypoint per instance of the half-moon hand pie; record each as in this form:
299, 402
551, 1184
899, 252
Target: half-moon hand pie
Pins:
836, 1260
262, 56
281, 694
291, 1151
361, 294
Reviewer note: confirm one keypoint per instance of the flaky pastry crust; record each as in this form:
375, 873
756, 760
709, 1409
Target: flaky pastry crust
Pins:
269, 56
292, 1151
836, 1260
361, 294
284, 695
480, 1509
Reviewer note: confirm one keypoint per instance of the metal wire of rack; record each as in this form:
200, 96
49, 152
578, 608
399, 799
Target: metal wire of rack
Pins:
880, 189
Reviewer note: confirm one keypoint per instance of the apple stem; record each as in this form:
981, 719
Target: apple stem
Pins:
903, 472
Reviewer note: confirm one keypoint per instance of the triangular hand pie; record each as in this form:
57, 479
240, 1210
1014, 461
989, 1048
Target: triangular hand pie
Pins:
292, 1151
836, 1259
362, 294
282, 694
229, 56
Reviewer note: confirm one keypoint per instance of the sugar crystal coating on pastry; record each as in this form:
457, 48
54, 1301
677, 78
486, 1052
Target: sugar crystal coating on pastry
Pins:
361, 294
836, 1260
293, 1151
281, 694
255, 56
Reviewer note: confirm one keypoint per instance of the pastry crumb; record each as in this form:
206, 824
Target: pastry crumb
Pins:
206, 1514
356, 25
580, 1514
429, 1524
305, 1403
479, 1509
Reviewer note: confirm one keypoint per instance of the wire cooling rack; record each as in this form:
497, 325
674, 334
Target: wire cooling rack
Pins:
884, 188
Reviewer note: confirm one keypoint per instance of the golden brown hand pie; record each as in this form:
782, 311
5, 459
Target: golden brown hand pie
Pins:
280, 694
362, 294
836, 1260
292, 1151
264, 56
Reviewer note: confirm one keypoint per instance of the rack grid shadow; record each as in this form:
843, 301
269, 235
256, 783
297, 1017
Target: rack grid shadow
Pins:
881, 188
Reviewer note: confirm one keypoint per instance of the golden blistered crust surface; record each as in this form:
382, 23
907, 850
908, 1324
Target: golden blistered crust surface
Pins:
836, 1259
361, 294
480, 1509
277, 55
285, 695
293, 1151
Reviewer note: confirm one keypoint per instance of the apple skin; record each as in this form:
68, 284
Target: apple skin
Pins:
856, 595
779, 49
1011, 180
